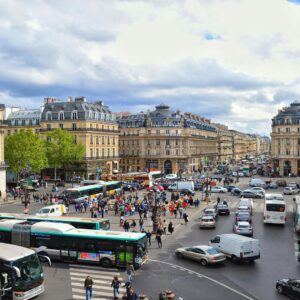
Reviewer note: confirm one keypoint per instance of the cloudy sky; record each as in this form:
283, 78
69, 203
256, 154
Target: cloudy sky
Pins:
234, 61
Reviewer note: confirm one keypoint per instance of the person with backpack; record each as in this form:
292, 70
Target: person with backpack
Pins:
115, 284
130, 271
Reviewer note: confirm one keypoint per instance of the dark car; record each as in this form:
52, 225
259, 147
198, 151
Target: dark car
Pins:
289, 287
230, 187
133, 185
223, 209
165, 185
243, 217
236, 192
186, 192
198, 186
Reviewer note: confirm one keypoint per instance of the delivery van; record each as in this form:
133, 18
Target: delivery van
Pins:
257, 182
52, 211
180, 185
237, 247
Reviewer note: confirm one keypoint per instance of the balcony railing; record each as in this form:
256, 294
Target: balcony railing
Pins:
83, 130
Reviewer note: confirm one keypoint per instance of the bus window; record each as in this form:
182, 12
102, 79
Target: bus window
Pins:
105, 225
276, 207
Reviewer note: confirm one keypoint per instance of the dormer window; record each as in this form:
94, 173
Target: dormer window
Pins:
61, 115
74, 115
49, 116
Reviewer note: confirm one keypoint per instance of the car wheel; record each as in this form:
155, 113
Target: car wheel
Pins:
179, 255
203, 262
233, 258
279, 289
105, 263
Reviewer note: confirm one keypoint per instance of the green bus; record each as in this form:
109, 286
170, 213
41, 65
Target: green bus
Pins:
83, 223
64, 242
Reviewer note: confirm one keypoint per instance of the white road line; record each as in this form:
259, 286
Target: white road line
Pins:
95, 288
74, 279
95, 293
95, 272
93, 267
208, 278
77, 297
83, 275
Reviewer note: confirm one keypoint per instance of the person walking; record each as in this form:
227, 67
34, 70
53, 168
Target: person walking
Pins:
158, 238
185, 218
115, 284
129, 271
141, 223
132, 295
165, 226
149, 235
88, 285
170, 227
126, 226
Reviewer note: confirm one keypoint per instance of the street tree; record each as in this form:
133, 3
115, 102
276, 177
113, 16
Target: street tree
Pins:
25, 150
61, 149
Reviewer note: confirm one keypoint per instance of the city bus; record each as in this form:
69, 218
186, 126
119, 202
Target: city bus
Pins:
66, 243
80, 193
144, 178
91, 182
83, 223
21, 273
296, 214
274, 209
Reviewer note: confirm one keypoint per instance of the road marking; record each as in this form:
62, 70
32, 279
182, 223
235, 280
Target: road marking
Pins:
206, 277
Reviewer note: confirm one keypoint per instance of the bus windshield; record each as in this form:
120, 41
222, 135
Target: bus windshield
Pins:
276, 207
31, 272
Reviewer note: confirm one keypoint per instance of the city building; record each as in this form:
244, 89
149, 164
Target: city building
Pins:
3, 165
166, 140
91, 124
285, 138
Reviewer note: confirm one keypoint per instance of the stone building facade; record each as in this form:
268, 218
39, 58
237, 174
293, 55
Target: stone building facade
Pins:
3, 165
166, 140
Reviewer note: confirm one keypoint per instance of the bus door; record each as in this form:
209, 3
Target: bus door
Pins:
20, 235
5, 283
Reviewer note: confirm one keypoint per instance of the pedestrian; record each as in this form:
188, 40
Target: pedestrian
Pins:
126, 226
132, 295
185, 217
130, 271
165, 226
133, 225
88, 285
141, 223
180, 212
158, 238
149, 235
170, 227
218, 200
124, 297
115, 284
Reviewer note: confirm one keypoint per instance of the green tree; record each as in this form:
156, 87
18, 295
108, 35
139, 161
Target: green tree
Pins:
60, 149
25, 149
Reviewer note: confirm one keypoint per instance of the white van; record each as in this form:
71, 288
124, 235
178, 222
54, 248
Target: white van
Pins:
237, 247
180, 185
257, 182
52, 211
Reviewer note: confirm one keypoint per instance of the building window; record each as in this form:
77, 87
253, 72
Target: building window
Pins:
113, 150
102, 153
167, 152
48, 116
8, 132
48, 126
132, 142
91, 152
108, 153
16, 122
158, 132
74, 115
176, 142
74, 126
23, 122
97, 140
108, 141
287, 141
102, 140
298, 129
30, 122
113, 140
97, 153
167, 131
168, 142
61, 126
287, 129
91, 126
177, 152
91, 139
157, 142
61, 115
278, 129
298, 141
288, 152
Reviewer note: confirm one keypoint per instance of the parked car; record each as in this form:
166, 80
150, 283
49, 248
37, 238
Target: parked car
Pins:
281, 182
243, 228
204, 254
243, 216
257, 182
289, 190
251, 194
218, 189
236, 192
223, 209
289, 287
207, 222
171, 176
273, 185
210, 212
186, 192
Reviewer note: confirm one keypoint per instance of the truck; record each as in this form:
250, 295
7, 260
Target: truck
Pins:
237, 247
180, 185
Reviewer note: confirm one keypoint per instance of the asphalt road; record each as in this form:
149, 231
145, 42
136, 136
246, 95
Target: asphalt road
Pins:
187, 278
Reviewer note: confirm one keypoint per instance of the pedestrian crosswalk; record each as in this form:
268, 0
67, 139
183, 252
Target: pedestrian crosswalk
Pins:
102, 279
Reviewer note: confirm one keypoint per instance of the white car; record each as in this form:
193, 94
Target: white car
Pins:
289, 190
218, 189
258, 189
207, 222
171, 176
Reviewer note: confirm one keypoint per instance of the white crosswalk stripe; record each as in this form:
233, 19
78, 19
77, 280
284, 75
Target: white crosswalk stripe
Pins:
102, 279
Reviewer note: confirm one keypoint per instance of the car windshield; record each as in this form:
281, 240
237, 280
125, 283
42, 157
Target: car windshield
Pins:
31, 271
44, 211
222, 206
212, 251
243, 226
243, 215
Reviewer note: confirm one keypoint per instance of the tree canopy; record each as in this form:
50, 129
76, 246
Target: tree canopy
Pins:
60, 148
25, 150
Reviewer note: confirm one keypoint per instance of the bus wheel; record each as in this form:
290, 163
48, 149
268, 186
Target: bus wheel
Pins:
105, 262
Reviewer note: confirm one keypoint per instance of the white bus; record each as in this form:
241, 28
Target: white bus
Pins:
275, 209
21, 273
296, 213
